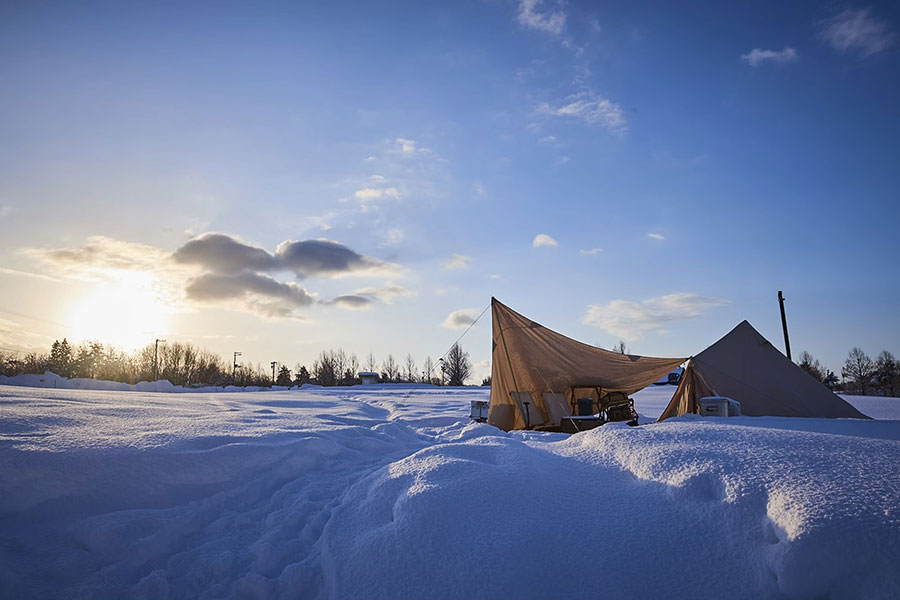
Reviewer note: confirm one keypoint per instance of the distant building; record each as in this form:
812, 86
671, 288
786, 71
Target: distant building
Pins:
367, 377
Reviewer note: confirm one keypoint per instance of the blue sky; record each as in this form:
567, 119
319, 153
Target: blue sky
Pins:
685, 161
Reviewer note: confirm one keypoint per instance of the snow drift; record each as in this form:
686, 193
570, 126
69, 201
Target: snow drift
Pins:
370, 492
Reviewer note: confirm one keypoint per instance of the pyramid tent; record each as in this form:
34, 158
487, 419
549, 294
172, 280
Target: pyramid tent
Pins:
535, 371
745, 366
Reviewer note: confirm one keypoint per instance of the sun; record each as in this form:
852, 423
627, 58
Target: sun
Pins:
124, 311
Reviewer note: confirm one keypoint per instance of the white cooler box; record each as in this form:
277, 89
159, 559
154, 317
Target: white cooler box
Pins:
719, 406
479, 410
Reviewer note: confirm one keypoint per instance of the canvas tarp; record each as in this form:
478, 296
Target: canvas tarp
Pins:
745, 366
529, 361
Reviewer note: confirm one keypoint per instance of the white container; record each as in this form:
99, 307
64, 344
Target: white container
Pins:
719, 406
479, 410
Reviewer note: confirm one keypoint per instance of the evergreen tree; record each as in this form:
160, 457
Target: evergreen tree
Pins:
61, 358
284, 376
830, 380
301, 375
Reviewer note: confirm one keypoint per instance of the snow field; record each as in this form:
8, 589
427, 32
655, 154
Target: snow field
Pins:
387, 492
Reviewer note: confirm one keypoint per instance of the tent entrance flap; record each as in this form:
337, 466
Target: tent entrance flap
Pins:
530, 361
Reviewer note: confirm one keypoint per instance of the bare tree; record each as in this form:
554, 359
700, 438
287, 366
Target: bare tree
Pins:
457, 366
887, 373
410, 374
428, 371
352, 368
811, 366
389, 369
859, 371
371, 363
620, 348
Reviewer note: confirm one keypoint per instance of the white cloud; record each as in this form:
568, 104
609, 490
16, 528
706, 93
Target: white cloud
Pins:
410, 147
561, 161
857, 31
102, 252
631, 320
591, 252
460, 319
758, 56
479, 189
549, 21
350, 302
216, 268
457, 262
547, 139
369, 194
365, 298
592, 109
5, 209
656, 236
258, 292
386, 293
543, 240
395, 236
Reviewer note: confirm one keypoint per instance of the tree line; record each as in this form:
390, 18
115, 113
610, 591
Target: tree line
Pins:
187, 365
860, 373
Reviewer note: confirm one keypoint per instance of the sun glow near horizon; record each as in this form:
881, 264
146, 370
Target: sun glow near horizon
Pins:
125, 311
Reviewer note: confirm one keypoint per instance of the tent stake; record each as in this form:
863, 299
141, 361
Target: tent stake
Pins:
787, 342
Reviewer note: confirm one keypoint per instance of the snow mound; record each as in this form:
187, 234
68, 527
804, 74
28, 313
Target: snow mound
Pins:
52, 380
634, 510
391, 492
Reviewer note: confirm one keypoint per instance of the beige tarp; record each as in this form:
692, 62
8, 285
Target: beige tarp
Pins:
745, 366
532, 364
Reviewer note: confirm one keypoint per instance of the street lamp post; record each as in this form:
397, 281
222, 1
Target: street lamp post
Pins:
234, 366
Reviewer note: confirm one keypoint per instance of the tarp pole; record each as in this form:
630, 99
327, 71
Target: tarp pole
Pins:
787, 341
512, 372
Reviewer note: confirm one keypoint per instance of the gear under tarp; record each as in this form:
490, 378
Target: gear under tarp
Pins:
745, 366
530, 361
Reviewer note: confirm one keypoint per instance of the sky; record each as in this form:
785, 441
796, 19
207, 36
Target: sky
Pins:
282, 178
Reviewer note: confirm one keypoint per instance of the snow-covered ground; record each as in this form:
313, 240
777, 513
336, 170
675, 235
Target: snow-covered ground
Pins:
389, 492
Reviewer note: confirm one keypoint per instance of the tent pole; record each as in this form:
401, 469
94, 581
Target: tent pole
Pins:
509, 362
787, 342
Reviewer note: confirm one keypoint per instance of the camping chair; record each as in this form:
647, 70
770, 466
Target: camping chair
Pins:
617, 406
584, 399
